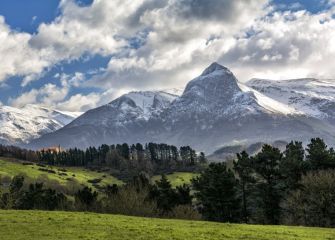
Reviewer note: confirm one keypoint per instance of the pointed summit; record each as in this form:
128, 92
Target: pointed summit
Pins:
213, 68
215, 81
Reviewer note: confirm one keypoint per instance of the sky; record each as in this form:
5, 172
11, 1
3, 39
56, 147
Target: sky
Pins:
75, 55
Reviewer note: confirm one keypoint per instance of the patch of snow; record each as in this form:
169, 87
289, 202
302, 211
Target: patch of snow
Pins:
31, 121
268, 103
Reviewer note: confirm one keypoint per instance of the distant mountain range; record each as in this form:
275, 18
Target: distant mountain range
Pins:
308, 96
19, 126
215, 110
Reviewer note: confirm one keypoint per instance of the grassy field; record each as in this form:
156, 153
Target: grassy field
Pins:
178, 178
30, 225
11, 167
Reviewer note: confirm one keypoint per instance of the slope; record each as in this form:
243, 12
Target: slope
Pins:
20, 125
69, 225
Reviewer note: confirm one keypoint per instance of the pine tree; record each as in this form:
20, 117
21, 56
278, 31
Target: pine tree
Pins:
293, 166
319, 156
243, 167
266, 164
216, 192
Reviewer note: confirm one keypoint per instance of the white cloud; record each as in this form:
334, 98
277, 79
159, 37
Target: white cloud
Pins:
302, 45
163, 44
79, 102
181, 42
48, 95
17, 57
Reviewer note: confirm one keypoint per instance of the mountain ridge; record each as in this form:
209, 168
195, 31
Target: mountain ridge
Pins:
19, 126
214, 110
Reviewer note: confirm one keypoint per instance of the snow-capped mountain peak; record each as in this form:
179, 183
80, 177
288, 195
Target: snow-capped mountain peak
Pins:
214, 110
19, 125
312, 97
214, 67
143, 104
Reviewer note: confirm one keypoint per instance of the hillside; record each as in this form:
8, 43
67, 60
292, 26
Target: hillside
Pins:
64, 175
20, 125
68, 225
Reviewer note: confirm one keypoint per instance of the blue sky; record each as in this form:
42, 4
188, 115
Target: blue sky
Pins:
50, 43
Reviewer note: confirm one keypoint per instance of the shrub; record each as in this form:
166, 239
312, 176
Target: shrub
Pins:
314, 203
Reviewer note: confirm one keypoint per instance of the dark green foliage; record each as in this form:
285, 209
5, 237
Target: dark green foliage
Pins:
184, 195
130, 159
86, 197
13, 198
244, 168
164, 195
293, 166
111, 190
266, 164
314, 203
216, 191
38, 197
319, 156
167, 197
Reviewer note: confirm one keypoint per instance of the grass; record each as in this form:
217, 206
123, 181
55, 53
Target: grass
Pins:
178, 178
11, 167
29, 225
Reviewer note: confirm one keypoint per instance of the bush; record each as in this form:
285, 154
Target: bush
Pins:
184, 212
94, 181
128, 200
86, 199
314, 203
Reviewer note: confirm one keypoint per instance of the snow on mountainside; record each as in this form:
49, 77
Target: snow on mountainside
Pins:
268, 103
312, 97
133, 106
21, 125
217, 92
214, 110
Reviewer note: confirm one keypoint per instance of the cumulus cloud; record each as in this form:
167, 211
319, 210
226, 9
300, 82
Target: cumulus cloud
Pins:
163, 44
17, 58
183, 37
48, 95
286, 45
58, 95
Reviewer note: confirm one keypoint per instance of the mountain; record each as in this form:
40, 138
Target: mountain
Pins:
214, 110
129, 118
229, 152
312, 97
24, 124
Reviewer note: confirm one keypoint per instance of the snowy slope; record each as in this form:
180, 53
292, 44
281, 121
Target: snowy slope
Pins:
217, 92
312, 97
268, 103
214, 110
21, 125
127, 109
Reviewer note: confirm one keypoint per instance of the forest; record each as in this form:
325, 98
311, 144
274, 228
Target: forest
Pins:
295, 186
126, 161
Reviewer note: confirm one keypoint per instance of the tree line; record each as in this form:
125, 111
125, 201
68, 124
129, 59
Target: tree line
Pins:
137, 197
296, 186
129, 159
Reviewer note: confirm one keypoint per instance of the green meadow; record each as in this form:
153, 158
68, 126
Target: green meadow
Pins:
29, 225
10, 167
178, 178
82, 176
